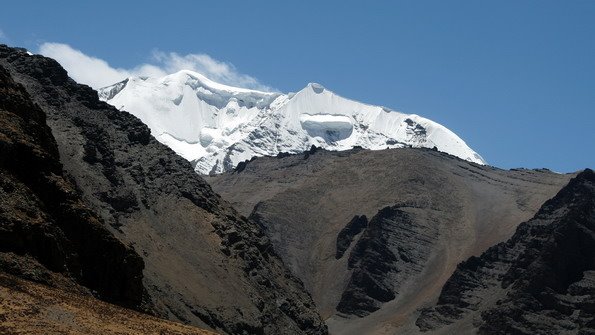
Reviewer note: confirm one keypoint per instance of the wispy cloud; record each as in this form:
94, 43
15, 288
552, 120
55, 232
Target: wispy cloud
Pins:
97, 73
3, 37
218, 71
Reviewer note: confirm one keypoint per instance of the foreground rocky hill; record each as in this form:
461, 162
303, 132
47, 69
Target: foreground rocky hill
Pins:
56, 256
374, 235
47, 233
540, 281
204, 264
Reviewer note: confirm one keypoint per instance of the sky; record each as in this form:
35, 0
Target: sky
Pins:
514, 79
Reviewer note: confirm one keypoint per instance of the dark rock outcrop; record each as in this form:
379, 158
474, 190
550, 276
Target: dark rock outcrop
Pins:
44, 224
204, 263
392, 249
542, 280
347, 234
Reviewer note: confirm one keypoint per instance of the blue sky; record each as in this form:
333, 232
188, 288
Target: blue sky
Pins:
514, 79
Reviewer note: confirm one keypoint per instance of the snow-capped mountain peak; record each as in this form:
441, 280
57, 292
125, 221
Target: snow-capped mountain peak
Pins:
216, 126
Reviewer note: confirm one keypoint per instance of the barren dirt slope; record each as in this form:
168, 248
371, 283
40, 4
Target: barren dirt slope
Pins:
31, 308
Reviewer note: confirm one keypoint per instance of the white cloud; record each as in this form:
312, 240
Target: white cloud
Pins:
213, 69
98, 73
3, 36
82, 68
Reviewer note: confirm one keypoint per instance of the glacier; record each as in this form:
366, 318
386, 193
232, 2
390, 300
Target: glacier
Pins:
217, 126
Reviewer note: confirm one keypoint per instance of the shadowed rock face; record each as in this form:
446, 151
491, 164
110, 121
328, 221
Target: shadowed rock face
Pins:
44, 224
347, 234
392, 249
542, 280
429, 211
204, 263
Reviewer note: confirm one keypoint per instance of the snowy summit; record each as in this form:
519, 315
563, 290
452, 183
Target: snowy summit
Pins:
217, 126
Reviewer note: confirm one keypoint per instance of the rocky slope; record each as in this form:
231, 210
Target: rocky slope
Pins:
425, 212
47, 233
204, 264
56, 257
216, 126
540, 281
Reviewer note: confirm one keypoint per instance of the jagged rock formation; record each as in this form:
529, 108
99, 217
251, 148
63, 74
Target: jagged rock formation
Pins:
204, 264
47, 233
429, 211
540, 281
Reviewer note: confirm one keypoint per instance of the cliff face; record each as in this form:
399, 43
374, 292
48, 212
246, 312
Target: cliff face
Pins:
542, 280
44, 224
204, 263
